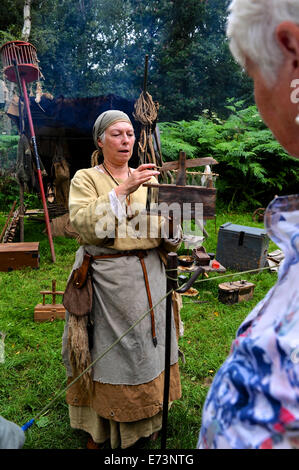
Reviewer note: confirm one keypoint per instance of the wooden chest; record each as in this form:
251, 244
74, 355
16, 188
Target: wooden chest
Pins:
234, 292
19, 255
49, 312
242, 248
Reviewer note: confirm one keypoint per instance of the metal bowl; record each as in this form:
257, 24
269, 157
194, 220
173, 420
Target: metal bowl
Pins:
185, 260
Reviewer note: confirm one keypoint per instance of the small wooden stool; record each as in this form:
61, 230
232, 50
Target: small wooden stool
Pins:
45, 312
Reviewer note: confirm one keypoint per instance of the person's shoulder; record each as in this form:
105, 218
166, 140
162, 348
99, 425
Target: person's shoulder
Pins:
86, 174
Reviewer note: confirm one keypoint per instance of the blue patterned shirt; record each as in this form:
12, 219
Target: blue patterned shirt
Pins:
253, 402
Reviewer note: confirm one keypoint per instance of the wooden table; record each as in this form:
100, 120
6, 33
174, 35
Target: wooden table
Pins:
207, 269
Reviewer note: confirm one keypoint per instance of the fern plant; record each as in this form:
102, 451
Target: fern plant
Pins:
252, 165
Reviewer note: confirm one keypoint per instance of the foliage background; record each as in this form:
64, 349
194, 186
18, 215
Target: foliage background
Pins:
97, 47
253, 167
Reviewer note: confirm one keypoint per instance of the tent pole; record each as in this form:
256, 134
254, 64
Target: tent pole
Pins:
39, 173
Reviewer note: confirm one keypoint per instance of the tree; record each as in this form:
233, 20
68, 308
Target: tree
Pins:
172, 28
11, 20
96, 47
27, 21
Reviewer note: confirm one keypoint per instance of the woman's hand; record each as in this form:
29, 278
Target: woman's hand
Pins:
141, 175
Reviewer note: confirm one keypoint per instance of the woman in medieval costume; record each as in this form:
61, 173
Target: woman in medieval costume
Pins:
122, 396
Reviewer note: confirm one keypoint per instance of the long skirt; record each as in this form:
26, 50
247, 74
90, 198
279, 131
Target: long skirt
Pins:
129, 379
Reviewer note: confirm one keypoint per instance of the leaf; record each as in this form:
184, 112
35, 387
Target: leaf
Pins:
42, 422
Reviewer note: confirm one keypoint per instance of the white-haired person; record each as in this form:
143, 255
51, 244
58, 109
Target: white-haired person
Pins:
253, 402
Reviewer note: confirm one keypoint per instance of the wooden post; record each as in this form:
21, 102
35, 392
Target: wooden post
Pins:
171, 284
7, 220
181, 176
145, 74
54, 292
22, 212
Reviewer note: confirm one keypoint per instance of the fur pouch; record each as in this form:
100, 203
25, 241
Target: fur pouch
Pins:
77, 300
79, 351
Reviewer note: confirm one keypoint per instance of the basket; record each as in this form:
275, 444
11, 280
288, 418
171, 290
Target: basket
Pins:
25, 56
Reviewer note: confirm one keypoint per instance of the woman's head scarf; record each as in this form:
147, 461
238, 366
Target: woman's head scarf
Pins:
105, 120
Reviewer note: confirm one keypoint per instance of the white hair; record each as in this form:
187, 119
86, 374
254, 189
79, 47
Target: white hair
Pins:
251, 29
102, 137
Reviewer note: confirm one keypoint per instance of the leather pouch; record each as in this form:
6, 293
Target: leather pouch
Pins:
77, 298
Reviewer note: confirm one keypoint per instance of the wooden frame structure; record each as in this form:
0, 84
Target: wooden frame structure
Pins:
181, 193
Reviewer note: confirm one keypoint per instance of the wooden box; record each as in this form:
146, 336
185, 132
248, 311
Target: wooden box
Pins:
201, 257
234, 292
19, 255
49, 312
242, 248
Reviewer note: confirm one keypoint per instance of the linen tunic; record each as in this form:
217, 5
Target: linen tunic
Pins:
129, 379
253, 402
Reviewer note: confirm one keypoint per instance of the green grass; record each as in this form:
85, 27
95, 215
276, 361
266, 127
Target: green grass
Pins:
32, 373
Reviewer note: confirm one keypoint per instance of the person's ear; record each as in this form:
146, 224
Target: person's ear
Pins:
100, 143
287, 35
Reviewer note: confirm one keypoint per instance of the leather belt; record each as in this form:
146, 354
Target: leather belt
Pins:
141, 254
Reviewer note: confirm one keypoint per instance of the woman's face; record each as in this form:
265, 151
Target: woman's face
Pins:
276, 107
118, 143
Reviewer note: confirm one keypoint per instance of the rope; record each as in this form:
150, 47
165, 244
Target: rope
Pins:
30, 422
145, 109
146, 112
235, 274
171, 278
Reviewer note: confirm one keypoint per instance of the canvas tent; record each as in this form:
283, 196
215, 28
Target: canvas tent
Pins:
63, 128
64, 125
